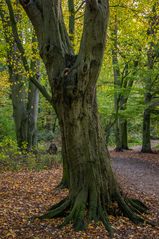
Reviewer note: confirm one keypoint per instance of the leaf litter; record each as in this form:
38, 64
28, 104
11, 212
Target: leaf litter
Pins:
25, 194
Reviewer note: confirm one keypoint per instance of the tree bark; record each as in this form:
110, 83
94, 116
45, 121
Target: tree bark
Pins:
33, 102
18, 95
92, 185
117, 85
71, 9
151, 54
146, 143
124, 133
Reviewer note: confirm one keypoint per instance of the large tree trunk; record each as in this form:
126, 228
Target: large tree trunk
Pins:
92, 186
91, 179
84, 145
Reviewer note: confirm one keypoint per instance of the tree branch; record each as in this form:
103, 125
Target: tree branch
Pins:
93, 39
80, 6
22, 52
34, 12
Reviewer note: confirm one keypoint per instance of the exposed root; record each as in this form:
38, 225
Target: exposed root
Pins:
62, 185
137, 206
58, 204
58, 211
139, 203
127, 211
104, 218
81, 209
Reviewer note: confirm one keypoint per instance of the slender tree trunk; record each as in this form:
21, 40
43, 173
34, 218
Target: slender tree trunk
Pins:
71, 9
33, 101
117, 85
18, 96
151, 55
32, 111
124, 133
146, 141
118, 136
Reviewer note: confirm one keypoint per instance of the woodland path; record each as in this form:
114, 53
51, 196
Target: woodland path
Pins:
140, 174
139, 171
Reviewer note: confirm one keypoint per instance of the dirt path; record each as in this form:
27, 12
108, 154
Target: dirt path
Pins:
140, 174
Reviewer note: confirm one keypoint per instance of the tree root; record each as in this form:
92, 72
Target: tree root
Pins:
81, 209
57, 211
137, 206
62, 185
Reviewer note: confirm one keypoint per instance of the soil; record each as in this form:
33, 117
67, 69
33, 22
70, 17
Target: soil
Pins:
139, 173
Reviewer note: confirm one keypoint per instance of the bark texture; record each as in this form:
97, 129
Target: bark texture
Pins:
146, 143
92, 185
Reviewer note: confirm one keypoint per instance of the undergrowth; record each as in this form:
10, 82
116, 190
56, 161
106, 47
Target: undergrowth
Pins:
13, 159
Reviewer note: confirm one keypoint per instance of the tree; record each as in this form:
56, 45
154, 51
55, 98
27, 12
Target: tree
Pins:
92, 185
125, 60
152, 58
24, 110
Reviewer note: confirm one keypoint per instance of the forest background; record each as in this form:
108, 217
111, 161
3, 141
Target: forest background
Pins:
127, 89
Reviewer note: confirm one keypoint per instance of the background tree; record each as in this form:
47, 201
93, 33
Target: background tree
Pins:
25, 101
25, 113
152, 76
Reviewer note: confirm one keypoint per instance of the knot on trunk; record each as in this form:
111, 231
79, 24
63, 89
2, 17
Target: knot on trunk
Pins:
70, 84
85, 68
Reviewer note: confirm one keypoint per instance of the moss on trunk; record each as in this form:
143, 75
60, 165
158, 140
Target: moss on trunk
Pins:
93, 189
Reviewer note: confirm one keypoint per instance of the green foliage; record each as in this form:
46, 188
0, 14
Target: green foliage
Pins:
6, 123
14, 160
134, 21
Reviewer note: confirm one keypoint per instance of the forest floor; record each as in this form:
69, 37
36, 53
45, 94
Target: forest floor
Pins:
24, 194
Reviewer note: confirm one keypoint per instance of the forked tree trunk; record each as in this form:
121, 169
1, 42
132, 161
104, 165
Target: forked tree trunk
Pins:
92, 186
